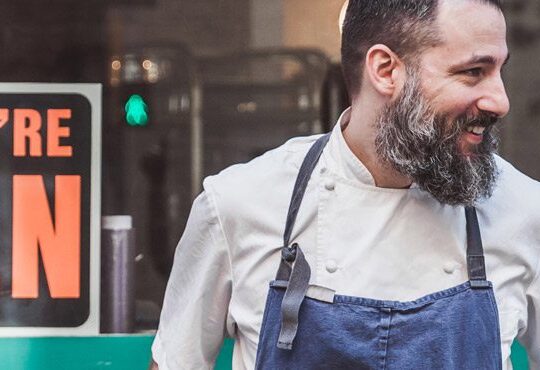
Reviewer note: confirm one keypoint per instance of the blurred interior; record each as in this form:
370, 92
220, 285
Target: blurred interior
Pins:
191, 87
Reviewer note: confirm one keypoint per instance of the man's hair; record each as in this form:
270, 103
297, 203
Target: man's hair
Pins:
405, 26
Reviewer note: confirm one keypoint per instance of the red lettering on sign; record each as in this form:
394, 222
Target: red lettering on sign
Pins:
59, 242
55, 132
4, 116
23, 132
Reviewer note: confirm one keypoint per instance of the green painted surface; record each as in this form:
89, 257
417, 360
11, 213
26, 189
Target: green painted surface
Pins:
70, 353
115, 352
224, 360
519, 357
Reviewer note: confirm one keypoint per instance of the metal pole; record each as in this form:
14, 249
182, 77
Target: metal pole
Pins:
117, 275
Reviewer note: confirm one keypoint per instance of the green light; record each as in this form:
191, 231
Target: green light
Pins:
136, 111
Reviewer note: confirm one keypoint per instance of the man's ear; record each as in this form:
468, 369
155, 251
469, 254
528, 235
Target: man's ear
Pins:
384, 69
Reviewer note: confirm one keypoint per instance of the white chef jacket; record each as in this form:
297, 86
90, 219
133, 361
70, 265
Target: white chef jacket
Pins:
359, 239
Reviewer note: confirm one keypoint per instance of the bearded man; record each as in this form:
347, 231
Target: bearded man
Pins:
407, 243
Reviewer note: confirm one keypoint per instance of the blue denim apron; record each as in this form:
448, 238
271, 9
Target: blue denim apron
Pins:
310, 327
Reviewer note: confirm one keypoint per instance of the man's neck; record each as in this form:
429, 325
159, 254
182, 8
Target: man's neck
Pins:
359, 135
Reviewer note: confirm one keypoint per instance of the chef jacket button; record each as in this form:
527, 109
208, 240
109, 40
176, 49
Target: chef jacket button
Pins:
331, 266
323, 170
329, 185
449, 267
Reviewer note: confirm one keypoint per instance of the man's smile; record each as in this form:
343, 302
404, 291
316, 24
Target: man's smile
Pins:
474, 135
475, 130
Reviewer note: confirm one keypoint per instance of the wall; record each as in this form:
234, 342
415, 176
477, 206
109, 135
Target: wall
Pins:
521, 132
50, 43
266, 23
205, 26
312, 23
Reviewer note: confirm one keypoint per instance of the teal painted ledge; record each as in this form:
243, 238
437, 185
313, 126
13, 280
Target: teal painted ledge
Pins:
107, 352
519, 357
112, 352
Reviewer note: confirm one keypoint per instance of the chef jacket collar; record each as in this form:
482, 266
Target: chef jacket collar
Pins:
348, 164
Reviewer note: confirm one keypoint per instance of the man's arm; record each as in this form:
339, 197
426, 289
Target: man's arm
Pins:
195, 310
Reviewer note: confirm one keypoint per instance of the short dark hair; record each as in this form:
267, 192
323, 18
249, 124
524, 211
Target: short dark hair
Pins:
405, 26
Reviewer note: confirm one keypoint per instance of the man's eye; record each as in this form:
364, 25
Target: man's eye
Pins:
473, 72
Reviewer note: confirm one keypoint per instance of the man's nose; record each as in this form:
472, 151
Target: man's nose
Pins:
494, 99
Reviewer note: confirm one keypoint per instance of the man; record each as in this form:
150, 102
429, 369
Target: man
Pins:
404, 204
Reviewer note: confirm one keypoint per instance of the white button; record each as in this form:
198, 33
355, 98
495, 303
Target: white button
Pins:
449, 267
330, 185
331, 266
323, 170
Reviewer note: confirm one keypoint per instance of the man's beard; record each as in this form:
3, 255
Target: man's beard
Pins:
424, 145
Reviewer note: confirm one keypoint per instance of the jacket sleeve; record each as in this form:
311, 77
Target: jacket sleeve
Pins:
195, 310
531, 337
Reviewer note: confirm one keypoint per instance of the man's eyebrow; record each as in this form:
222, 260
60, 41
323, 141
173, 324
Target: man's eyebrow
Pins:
480, 59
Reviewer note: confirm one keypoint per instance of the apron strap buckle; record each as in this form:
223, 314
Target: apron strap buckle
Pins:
477, 267
289, 253
479, 284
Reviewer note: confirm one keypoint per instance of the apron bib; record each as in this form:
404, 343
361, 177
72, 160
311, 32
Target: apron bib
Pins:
310, 327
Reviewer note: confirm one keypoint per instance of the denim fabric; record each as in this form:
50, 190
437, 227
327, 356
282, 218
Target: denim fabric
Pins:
457, 328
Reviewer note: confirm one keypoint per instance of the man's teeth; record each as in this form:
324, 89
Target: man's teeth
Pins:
477, 130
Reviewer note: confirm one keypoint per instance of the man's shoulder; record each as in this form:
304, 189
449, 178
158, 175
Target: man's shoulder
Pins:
513, 214
515, 184
515, 191
274, 171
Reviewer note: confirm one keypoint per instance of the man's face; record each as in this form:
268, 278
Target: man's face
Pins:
439, 132
462, 75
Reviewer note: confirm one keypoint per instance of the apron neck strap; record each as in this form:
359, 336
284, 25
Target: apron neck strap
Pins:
293, 267
308, 165
476, 265
288, 252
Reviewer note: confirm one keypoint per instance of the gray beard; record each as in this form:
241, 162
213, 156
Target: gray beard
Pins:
424, 146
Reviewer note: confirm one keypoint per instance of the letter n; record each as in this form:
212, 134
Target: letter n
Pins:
58, 241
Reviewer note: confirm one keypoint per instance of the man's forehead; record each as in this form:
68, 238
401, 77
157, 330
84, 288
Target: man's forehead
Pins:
457, 5
470, 17
472, 29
